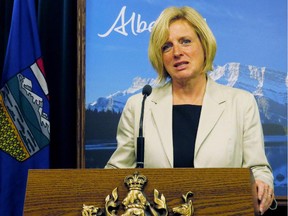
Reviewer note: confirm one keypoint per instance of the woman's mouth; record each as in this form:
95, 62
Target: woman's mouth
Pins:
180, 65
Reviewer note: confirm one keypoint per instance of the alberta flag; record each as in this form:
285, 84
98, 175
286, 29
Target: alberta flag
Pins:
24, 109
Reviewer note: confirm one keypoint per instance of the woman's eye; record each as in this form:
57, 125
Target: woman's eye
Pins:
166, 47
186, 41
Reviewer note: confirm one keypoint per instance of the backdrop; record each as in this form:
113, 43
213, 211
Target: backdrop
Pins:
252, 42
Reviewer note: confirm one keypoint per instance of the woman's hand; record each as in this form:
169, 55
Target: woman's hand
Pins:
265, 195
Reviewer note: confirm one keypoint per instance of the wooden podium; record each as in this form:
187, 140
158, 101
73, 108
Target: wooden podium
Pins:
217, 191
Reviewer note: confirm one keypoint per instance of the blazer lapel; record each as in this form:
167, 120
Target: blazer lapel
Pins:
161, 108
212, 109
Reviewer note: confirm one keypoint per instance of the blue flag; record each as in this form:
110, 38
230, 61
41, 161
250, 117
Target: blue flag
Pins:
24, 109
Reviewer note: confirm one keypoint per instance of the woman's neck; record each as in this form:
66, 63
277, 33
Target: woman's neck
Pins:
191, 92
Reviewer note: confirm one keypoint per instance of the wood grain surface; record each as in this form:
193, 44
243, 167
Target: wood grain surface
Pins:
217, 191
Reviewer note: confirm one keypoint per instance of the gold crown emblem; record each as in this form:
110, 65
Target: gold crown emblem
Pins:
135, 181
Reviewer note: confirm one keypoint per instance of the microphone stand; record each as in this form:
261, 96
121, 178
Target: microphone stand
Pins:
140, 138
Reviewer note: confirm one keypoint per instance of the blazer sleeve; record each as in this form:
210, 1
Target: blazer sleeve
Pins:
125, 156
253, 143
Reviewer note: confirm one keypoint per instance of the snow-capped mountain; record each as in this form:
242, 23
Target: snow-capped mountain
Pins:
269, 88
116, 101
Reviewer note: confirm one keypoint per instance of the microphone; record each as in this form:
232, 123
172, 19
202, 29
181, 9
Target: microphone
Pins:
146, 91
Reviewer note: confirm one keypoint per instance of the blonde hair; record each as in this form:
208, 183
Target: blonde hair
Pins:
160, 34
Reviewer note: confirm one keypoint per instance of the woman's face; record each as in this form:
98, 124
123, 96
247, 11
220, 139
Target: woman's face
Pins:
183, 55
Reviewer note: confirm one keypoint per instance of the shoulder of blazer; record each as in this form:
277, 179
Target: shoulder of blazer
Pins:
161, 94
222, 93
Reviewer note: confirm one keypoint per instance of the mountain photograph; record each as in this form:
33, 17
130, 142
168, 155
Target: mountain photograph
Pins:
251, 55
269, 88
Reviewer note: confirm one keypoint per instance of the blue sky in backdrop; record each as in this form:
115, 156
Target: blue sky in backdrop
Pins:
251, 32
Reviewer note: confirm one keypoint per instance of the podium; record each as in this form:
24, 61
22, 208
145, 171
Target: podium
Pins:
214, 191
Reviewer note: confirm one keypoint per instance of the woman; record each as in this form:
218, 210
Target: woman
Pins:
191, 121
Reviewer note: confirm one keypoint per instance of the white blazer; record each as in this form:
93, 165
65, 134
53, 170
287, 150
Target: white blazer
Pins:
229, 133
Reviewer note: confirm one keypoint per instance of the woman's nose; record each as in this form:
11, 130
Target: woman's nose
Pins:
177, 51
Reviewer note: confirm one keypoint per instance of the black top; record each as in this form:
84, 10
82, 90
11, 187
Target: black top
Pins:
185, 125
